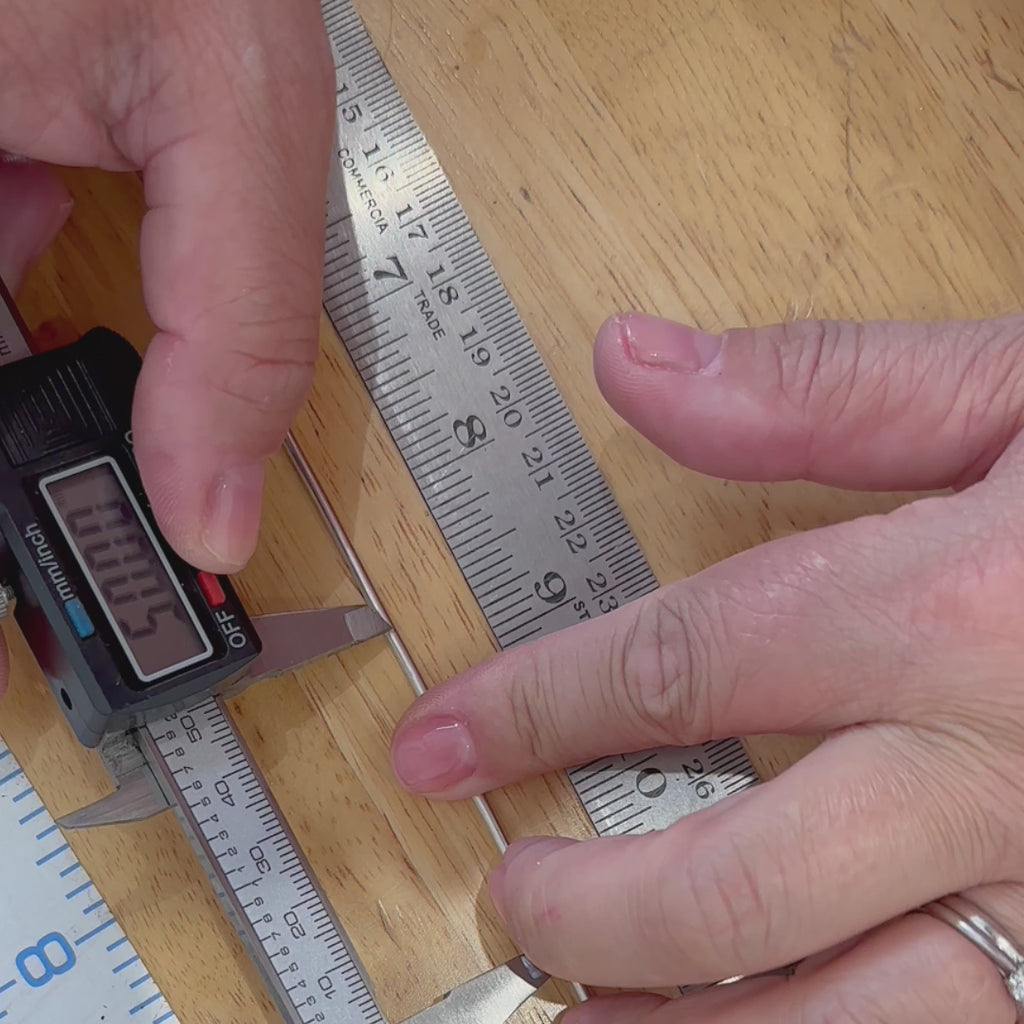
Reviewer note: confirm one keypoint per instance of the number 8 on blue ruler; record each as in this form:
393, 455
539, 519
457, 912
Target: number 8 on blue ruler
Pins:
63, 957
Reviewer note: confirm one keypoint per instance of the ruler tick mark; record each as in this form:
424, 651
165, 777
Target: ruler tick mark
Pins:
46, 858
146, 1002
78, 890
96, 931
32, 814
470, 525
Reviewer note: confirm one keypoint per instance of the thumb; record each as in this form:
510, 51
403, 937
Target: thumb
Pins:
235, 155
875, 406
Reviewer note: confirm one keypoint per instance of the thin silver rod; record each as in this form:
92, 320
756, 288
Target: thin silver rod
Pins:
337, 532
366, 588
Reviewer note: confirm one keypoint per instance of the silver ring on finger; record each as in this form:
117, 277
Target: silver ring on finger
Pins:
980, 930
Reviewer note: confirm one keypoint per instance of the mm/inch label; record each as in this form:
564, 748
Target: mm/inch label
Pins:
255, 863
479, 421
63, 957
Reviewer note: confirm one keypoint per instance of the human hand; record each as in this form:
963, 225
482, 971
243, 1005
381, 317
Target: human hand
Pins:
897, 636
226, 107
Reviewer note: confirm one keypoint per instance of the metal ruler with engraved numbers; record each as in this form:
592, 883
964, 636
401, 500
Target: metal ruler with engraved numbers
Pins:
517, 496
479, 421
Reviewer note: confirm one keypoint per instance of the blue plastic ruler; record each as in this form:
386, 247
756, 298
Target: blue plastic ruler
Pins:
63, 957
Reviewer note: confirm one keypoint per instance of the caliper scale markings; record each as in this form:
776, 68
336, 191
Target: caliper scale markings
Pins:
253, 859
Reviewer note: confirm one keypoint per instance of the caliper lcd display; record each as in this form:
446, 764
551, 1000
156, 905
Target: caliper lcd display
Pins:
126, 569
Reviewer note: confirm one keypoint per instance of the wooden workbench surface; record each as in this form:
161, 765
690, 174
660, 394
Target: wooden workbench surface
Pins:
717, 161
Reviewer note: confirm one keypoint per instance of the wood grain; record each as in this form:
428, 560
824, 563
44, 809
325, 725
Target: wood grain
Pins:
717, 161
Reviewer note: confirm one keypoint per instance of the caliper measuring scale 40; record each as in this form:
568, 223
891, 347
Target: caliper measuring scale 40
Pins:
140, 651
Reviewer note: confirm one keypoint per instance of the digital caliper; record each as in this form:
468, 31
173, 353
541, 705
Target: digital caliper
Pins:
139, 649
123, 629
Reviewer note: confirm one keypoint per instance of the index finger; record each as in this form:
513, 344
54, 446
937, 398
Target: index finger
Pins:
783, 638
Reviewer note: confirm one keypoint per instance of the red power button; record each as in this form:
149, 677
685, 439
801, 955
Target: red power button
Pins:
211, 588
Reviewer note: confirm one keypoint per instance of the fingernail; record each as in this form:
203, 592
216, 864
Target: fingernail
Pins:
524, 853
233, 516
581, 1014
665, 345
433, 754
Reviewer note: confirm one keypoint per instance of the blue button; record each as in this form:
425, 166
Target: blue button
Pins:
79, 618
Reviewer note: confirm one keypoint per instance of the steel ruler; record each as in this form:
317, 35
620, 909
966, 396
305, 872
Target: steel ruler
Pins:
479, 421
515, 492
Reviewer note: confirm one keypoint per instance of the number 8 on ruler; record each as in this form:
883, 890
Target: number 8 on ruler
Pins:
63, 957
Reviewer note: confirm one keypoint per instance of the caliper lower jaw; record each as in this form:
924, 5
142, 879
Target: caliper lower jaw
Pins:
138, 795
